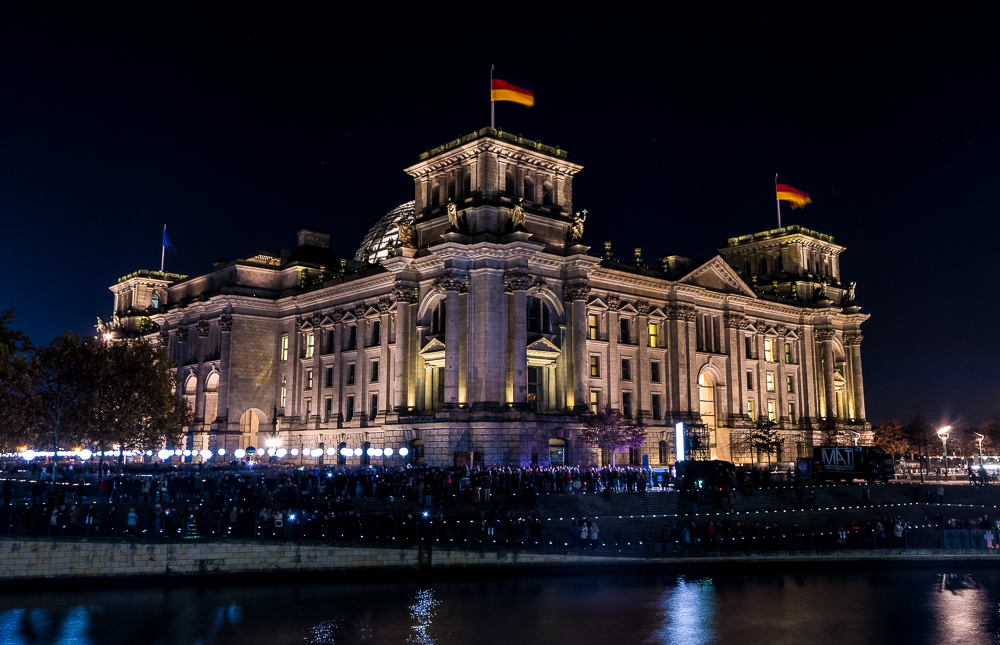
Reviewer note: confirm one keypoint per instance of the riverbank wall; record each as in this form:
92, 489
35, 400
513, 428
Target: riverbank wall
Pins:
49, 559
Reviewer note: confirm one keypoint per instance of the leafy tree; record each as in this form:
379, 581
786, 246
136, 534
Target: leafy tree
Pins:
610, 430
890, 437
60, 391
18, 421
132, 400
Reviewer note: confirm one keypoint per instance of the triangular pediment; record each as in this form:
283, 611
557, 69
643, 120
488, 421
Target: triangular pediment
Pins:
542, 345
371, 311
792, 335
435, 345
598, 303
627, 308
326, 322
657, 313
306, 326
716, 275
769, 331
348, 318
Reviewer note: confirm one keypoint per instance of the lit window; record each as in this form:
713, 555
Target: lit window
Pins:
595, 366
626, 369
770, 411
654, 372
284, 348
592, 326
790, 383
309, 408
309, 379
788, 353
310, 345
654, 335
750, 412
770, 381
768, 350
154, 302
595, 401
791, 412
284, 389
374, 371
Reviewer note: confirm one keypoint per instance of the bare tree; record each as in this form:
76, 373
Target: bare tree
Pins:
610, 430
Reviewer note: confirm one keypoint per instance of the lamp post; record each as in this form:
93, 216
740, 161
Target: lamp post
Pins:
979, 438
942, 434
856, 436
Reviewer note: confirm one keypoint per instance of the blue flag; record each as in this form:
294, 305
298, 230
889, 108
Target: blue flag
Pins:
167, 244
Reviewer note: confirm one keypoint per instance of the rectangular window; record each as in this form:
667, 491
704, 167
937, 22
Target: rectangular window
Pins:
595, 401
284, 348
592, 326
654, 372
748, 346
750, 412
349, 413
373, 410
310, 345
790, 383
329, 377
770, 411
750, 380
626, 369
352, 337
788, 353
623, 337
376, 333
770, 381
768, 350
627, 405
374, 371
309, 408
595, 366
309, 379
284, 389
350, 374
656, 407
791, 412
328, 412
329, 342
654, 335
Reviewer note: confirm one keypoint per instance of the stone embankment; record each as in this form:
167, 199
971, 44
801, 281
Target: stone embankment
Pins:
46, 559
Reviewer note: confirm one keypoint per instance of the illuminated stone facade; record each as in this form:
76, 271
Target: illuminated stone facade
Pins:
484, 330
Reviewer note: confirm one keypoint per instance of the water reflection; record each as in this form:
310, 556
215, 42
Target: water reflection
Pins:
688, 612
422, 611
960, 608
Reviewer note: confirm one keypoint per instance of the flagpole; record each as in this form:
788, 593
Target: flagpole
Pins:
163, 249
492, 103
776, 200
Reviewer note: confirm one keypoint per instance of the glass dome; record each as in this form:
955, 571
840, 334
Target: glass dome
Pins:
385, 230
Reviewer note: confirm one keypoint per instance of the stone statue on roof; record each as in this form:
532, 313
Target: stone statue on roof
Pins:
576, 228
406, 233
517, 217
453, 214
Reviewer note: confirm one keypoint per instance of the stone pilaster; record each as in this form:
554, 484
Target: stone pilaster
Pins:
853, 341
518, 283
825, 337
577, 294
453, 284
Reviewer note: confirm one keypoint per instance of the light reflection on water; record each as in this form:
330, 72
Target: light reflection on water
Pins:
837, 608
688, 611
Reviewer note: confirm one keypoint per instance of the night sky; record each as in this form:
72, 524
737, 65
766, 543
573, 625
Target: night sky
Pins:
235, 129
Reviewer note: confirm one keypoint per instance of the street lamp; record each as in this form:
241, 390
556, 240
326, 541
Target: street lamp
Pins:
942, 434
856, 436
979, 438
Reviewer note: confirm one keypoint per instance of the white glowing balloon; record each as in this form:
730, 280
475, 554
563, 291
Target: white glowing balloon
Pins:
388, 452
240, 453
86, 454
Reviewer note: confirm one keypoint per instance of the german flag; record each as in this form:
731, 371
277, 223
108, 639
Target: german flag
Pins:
504, 91
788, 194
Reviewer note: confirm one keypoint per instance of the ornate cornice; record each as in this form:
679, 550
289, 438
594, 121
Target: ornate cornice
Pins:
736, 321
613, 301
405, 293
680, 312
385, 304
576, 291
453, 282
642, 306
825, 334
853, 338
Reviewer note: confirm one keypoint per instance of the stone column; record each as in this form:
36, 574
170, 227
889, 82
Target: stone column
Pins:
338, 368
419, 371
612, 371
826, 336
518, 283
488, 333
428, 388
735, 323
578, 293
453, 284
642, 369
854, 342
222, 410
384, 389
404, 295
200, 348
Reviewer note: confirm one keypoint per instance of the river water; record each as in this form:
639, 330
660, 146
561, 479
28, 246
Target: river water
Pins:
917, 606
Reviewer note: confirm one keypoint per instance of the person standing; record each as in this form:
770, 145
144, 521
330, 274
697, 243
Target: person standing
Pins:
593, 536
584, 532
940, 493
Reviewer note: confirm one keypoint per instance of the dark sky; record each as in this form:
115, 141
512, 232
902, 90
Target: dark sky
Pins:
236, 128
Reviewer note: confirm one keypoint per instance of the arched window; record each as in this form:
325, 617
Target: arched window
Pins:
191, 385
249, 425
212, 384
762, 267
547, 193
438, 317
529, 189
538, 315
154, 302
706, 390
508, 181
779, 265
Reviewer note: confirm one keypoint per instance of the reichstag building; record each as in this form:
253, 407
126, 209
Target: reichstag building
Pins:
473, 326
